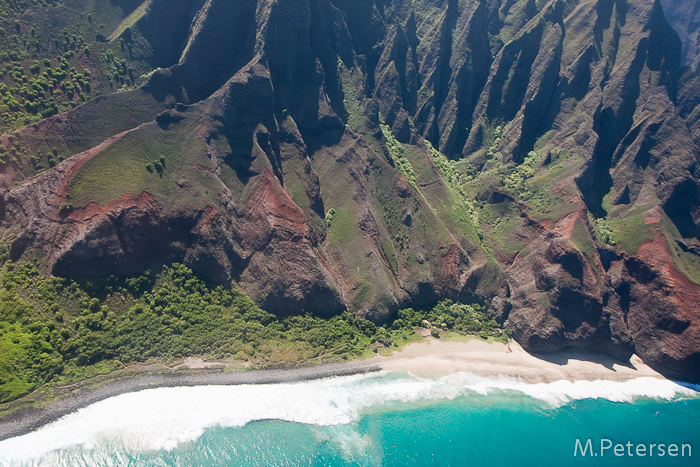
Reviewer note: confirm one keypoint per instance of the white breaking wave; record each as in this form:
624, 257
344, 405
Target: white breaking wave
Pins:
558, 393
161, 419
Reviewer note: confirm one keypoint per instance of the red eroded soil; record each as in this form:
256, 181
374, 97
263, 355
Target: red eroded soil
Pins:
565, 225
449, 264
653, 215
687, 294
94, 209
276, 201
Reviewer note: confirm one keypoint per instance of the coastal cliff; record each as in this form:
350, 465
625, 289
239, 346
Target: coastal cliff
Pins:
324, 155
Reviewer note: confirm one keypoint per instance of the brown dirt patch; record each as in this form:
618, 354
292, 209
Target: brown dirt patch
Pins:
687, 294
126, 201
565, 225
653, 215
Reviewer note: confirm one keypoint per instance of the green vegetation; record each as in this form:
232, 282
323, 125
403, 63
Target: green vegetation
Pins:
12, 8
130, 20
143, 160
396, 152
463, 319
514, 16
31, 89
340, 226
501, 220
456, 177
398, 231
547, 196
461, 209
158, 165
517, 179
604, 232
329, 217
59, 331
390, 254
583, 242
492, 151
631, 232
65, 207
60, 60
116, 70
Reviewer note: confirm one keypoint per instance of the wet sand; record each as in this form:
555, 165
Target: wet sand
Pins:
29, 419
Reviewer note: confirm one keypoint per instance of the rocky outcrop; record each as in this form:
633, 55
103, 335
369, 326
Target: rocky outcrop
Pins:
560, 298
644, 305
266, 238
661, 307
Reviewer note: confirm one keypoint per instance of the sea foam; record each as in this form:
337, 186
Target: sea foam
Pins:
561, 392
162, 419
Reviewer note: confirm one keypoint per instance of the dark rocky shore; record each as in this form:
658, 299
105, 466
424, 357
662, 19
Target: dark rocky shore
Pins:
26, 420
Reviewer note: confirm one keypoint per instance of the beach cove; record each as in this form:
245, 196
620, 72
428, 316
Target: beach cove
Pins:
472, 378
439, 357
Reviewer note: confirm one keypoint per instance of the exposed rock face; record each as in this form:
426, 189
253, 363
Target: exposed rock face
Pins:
662, 307
559, 302
302, 171
684, 16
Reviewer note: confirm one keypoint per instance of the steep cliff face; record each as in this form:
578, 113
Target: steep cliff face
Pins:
684, 16
332, 154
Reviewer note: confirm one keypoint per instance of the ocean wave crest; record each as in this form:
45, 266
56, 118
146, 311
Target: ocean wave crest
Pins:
161, 419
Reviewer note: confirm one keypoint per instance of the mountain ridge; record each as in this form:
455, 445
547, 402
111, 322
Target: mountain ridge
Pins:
541, 157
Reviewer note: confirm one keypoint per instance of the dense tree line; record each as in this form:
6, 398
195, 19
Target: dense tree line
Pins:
54, 330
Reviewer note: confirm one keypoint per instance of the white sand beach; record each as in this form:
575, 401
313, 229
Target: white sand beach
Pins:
437, 357
431, 358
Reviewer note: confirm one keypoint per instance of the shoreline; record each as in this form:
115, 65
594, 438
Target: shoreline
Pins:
439, 357
431, 358
28, 419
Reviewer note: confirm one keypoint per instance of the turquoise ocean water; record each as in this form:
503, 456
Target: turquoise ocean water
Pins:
388, 419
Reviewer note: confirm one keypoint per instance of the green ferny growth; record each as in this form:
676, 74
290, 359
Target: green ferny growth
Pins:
396, 152
604, 231
517, 179
329, 217
454, 177
492, 150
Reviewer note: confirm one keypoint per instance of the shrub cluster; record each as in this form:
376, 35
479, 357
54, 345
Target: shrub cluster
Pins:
604, 232
396, 152
157, 165
59, 331
517, 178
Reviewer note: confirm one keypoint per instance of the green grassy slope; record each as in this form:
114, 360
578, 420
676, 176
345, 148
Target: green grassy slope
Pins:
148, 159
